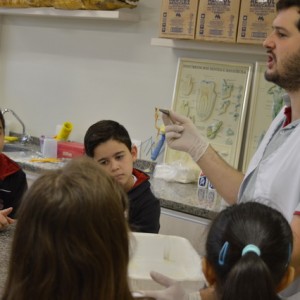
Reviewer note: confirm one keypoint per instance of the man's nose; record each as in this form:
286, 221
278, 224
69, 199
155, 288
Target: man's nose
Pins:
269, 42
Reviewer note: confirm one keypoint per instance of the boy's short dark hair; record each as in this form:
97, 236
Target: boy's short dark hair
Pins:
104, 131
2, 119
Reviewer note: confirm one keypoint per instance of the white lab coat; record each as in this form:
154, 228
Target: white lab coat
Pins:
278, 178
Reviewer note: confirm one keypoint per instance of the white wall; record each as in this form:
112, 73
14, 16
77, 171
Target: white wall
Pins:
59, 69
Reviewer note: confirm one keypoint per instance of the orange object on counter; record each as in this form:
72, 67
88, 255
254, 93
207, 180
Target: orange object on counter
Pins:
45, 160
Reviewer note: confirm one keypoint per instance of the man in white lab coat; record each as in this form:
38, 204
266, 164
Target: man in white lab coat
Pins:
273, 176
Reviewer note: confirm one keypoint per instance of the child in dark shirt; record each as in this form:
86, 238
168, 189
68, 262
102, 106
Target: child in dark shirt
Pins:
109, 143
13, 183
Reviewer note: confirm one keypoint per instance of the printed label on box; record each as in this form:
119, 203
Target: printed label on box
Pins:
256, 19
217, 20
178, 18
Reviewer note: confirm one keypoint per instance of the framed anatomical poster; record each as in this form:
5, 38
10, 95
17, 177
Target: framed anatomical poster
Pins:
266, 101
214, 95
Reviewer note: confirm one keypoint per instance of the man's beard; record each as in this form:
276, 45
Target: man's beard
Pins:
289, 79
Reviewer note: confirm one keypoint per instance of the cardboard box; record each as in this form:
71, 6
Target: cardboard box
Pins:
217, 20
178, 19
255, 20
69, 149
172, 256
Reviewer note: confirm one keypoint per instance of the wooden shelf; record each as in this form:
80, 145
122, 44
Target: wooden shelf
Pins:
209, 46
121, 15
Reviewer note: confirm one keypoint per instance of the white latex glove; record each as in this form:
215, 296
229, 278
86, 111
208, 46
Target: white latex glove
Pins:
182, 135
173, 291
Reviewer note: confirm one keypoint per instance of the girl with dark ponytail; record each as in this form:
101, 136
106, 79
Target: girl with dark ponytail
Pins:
248, 252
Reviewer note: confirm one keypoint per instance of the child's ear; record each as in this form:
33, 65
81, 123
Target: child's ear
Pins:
134, 152
287, 279
208, 271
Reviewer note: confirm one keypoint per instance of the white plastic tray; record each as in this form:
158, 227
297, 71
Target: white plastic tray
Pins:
172, 256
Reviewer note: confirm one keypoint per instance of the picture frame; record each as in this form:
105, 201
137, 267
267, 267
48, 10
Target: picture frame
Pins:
214, 95
265, 102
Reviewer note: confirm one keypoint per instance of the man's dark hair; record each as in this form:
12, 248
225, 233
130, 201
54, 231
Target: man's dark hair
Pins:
285, 4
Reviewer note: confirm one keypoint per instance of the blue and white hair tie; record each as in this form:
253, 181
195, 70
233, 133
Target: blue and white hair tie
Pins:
251, 248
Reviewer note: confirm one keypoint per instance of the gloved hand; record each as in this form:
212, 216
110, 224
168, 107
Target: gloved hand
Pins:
173, 291
182, 135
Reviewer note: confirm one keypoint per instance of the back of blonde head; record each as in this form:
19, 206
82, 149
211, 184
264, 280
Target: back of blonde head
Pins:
71, 240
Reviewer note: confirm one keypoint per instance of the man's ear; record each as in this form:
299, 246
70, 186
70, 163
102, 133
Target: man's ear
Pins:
134, 152
208, 271
287, 279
